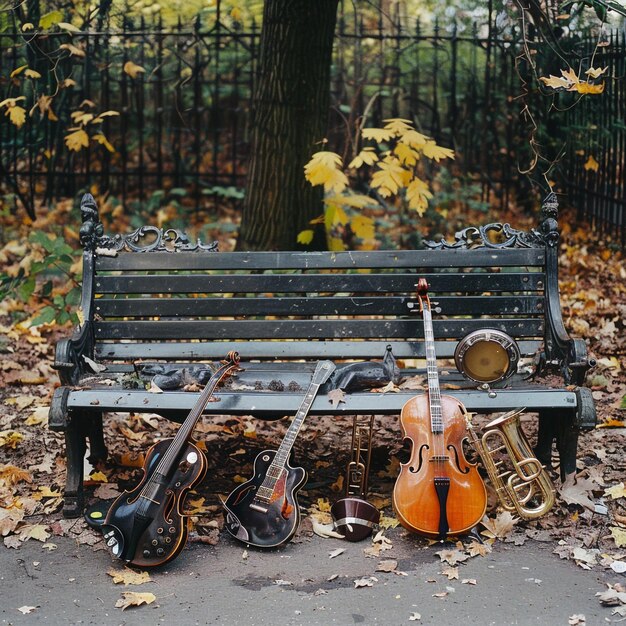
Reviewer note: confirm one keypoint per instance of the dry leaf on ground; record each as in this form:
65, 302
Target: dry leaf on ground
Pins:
132, 598
452, 557
129, 576
576, 490
367, 581
389, 565
500, 526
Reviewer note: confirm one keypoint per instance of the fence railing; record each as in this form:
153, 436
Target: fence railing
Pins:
183, 94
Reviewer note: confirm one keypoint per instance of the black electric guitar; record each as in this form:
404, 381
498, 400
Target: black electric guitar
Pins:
146, 526
264, 511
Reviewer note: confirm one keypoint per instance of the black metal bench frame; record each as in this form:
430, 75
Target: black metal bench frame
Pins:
153, 296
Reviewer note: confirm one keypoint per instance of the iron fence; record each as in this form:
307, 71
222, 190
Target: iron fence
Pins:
183, 94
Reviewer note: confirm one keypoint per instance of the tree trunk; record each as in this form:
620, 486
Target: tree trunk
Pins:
288, 121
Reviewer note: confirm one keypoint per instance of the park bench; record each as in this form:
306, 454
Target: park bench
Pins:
154, 299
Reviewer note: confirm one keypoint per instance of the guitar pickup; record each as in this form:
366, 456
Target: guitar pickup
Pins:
259, 507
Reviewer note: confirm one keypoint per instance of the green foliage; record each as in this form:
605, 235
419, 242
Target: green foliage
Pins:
44, 276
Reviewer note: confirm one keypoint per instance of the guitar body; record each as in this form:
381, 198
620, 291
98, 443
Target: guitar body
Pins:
276, 525
149, 529
415, 497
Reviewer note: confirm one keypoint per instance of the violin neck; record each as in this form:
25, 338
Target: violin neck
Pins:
434, 392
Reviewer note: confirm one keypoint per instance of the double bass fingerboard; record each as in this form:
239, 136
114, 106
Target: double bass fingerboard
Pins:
436, 419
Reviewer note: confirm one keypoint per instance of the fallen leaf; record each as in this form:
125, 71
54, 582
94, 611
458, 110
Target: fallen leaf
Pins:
132, 598
468, 581
389, 565
575, 490
11, 475
612, 596
98, 477
414, 617
283, 583
129, 576
617, 491
34, 531
367, 581
27, 609
388, 522
500, 526
335, 553
476, 548
575, 620
336, 396
452, 557
452, 573
619, 535
440, 594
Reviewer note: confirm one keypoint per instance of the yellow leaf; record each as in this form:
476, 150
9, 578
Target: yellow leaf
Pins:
323, 169
388, 178
414, 139
398, 126
100, 118
377, 134
236, 14
132, 69
406, 154
588, 88
305, 237
591, 164
81, 117
33, 531
362, 226
132, 598
10, 438
11, 102
27, 26
323, 505
355, 200
367, 156
596, 72
77, 140
67, 82
619, 535
69, 27
73, 50
17, 70
617, 491
129, 576
98, 477
17, 115
418, 194
102, 140
433, 151
32, 74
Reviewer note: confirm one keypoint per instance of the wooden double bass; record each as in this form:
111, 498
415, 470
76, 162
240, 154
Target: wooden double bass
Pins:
438, 492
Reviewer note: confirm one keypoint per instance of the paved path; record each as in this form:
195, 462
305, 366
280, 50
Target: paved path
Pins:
216, 585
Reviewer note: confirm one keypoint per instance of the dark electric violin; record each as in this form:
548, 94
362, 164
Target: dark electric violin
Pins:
146, 526
438, 492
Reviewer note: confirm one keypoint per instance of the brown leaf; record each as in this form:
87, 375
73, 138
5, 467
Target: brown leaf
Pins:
500, 526
476, 548
367, 581
336, 396
12, 475
451, 572
576, 490
452, 557
389, 565
25, 610
468, 581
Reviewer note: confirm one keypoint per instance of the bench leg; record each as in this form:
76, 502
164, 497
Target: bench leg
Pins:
80, 427
557, 428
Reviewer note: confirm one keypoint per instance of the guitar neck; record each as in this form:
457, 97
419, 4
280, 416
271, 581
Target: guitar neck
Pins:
282, 454
434, 392
186, 430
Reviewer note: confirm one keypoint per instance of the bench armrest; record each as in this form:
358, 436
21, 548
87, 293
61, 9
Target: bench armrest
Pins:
68, 359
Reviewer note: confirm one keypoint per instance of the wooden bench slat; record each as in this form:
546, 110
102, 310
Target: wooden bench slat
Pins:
211, 350
320, 283
336, 305
308, 329
322, 260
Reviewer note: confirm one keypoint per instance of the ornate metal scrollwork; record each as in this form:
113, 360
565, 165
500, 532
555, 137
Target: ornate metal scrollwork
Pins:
143, 239
509, 237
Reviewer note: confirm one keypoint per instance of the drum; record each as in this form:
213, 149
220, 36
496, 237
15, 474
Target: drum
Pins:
487, 356
354, 518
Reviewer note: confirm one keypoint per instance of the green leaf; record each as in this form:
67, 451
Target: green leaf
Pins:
46, 290
178, 191
50, 19
72, 297
25, 290
623, 403
47, 315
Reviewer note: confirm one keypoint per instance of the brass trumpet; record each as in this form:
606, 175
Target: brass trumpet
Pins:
522, 484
